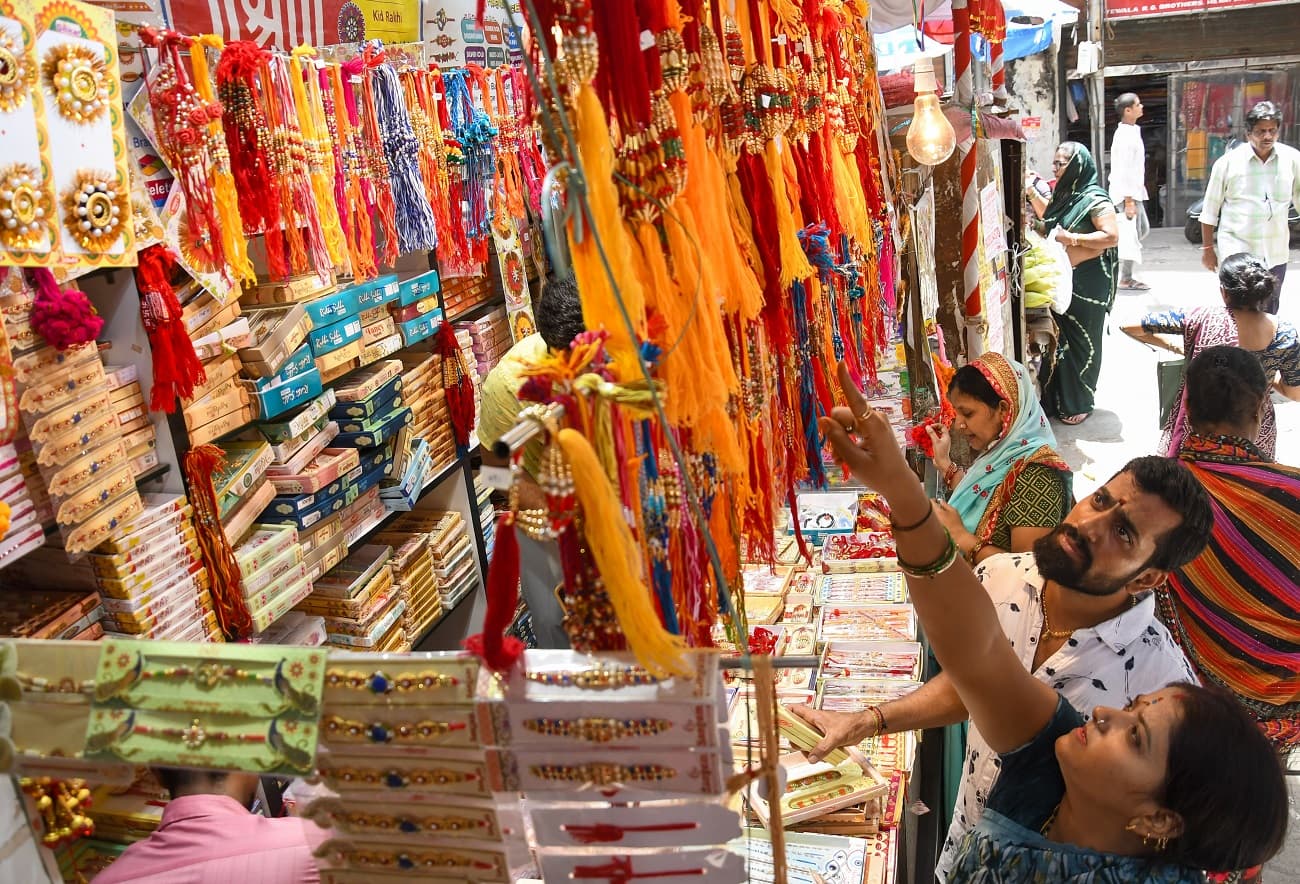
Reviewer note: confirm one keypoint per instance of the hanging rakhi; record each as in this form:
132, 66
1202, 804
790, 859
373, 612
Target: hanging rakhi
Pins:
319, 156
358, 199
248, 138
182, 119
454, 251
221, 178
414, 84
290, 159
17, 74
361, 108
176, 368
476, 136
64, 317
415, 224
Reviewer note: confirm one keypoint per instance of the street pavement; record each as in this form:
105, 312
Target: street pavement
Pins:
1126, 421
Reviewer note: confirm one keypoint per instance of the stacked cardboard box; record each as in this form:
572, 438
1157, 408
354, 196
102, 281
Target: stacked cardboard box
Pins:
25, 531
450, 550
138, 434
152, 578
412, 565
363, 608
487, 514
464, 293
489, 339
416, 312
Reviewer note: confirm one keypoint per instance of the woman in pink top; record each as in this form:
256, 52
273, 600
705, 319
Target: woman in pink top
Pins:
207, 836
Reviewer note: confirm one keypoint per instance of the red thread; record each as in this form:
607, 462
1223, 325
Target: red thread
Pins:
176, 368
64, 318
498, 651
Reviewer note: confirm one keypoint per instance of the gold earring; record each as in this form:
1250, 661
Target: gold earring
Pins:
1161, 843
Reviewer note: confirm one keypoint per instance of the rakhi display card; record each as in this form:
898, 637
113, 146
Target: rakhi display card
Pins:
810, 858
697, 866
616, 677
76, 45
27, 215
261, 681
674, 824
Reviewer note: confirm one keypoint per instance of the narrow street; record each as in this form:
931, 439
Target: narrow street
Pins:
1126, 422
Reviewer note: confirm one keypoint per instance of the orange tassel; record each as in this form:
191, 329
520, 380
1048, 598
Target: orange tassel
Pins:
224, 575
600, 308
794, 263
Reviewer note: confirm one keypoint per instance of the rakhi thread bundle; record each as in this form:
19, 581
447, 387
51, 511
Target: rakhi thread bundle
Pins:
176, 368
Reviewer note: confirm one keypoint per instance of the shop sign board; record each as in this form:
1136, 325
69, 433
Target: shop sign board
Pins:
455, 38
284, 24
1120, 9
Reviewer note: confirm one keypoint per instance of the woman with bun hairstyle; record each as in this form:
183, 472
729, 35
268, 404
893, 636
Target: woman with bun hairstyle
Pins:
1246, 284
1234, 608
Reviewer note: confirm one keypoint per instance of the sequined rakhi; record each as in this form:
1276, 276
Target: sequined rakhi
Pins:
416, 228
181, 119
248, 138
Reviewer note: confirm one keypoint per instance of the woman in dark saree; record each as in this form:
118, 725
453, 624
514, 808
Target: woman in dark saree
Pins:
1083, 211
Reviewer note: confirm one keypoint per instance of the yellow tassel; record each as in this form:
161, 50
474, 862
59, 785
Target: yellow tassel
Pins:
794, 263
223, 182
322, 180
849, 198
619, 561
600, 308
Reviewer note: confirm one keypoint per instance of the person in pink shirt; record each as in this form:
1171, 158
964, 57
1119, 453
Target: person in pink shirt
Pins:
208, 836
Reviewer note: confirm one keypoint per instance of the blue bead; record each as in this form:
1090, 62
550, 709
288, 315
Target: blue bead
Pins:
405, 862
379, 683
408, 826
394, 780
378, 733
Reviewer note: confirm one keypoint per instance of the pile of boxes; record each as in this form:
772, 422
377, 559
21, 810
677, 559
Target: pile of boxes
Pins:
138, 434
25, 531
413, 574
363, 607
489, 338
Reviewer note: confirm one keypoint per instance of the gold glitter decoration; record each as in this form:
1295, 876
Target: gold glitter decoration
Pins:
95, 209
24, 208
78, 78
17, 77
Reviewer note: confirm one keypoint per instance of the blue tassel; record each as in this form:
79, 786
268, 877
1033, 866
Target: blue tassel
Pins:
807, 394
654, 513
416, 228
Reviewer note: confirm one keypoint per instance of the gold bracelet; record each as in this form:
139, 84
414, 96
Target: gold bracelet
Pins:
401, 779
380, 683
599, 679
598, 730
414, 859
432, 824
35, 684
603, 774
354, 730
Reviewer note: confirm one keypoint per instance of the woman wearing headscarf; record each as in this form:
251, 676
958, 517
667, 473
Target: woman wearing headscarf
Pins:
1235, 608
1018, 488
1083, 211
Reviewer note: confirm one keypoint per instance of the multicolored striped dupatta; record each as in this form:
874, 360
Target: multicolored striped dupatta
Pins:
1235, 609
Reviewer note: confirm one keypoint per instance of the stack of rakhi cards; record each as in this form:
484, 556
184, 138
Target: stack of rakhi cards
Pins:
411, 466
152, 578
487, 513
241, 486
296, 383
274, 573
294, 628
324, 545
36, 488
416, 311
362, 606
428, 401
275, 334
466, 344
489, 339
453, 557
25, 532
72, 421
413, 573
138, 434
30, 612
219, 405
335, 338
464, 293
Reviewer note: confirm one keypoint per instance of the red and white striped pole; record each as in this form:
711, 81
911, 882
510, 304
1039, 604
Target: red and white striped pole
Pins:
999, 74
970, 203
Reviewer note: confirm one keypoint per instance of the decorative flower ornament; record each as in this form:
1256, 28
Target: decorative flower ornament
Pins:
78, 78
24, 207
16, 75
94, 210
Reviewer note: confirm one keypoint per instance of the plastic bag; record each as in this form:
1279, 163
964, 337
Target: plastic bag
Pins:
1063, 291
1047, 274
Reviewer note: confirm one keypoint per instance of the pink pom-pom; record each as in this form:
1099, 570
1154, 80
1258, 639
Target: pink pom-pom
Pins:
64, 318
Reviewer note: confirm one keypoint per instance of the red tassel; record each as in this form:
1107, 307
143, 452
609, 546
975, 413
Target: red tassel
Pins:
498, 651
64, 318
224, 576
176, 368
460, 389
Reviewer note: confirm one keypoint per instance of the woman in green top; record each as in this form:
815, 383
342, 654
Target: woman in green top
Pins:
1082, 209
1018, 487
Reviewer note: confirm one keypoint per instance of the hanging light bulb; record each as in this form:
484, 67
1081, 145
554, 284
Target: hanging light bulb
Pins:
930, 138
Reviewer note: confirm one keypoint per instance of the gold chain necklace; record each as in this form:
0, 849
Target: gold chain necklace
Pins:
1047, 621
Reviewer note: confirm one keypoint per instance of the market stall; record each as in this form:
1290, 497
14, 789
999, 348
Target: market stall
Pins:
251, 296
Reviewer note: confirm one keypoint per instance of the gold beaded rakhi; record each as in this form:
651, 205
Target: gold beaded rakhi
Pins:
601, 678
78, 78
25, 205
381, 683
95, 208
355, 730
603, 774
598, 730
17, 74
208, 676
432, 860
483, 825
342, 777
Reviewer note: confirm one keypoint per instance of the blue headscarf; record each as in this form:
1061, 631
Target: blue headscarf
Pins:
1026, 435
